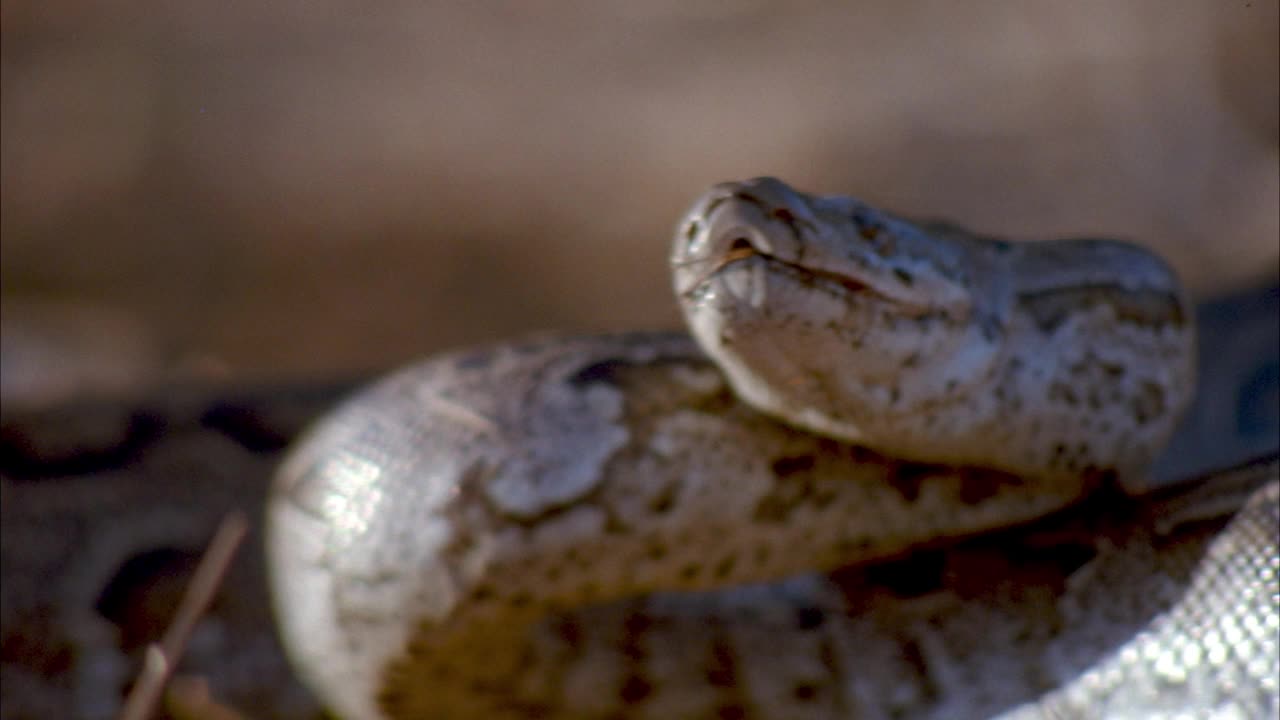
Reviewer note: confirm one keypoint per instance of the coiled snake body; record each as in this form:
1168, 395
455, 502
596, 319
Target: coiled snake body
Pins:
519, 530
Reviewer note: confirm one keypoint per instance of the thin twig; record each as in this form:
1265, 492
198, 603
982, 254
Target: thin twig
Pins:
161, 659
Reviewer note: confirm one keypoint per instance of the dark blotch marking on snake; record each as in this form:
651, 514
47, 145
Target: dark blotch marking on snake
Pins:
907, 477
142, 595
1063, 393
914, 656
611, 371
570, 633
635, 688
1148, 404
1147, 308
604, 371
977, 485
722, 668
804, 692
917, 574
809, 617
790, 465
664, 501
246, 426
795, 487
722, 674
26, 454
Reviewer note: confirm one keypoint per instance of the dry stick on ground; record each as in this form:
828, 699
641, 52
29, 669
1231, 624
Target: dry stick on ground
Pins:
161, 659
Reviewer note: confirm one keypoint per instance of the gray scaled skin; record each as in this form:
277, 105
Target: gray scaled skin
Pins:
423, 528
599, 527
1046, 359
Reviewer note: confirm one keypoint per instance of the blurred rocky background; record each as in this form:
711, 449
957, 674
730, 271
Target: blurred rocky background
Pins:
299, 189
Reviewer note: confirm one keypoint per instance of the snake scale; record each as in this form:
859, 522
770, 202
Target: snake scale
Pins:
806, 513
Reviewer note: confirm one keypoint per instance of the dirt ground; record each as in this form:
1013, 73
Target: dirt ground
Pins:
297, 189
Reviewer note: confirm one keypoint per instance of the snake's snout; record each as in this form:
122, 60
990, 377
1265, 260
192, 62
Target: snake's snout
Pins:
776, 200
733, 219
724, 228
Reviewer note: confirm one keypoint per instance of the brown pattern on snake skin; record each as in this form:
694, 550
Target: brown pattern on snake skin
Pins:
1147, 308
650, 493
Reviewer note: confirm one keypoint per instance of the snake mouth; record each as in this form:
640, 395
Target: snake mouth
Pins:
742, 250
760, 231
741, 244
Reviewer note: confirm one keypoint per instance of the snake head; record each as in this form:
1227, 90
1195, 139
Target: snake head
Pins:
824, 308
833, 239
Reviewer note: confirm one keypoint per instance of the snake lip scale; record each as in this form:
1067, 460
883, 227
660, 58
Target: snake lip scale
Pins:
748, 244
741, 250
810, 507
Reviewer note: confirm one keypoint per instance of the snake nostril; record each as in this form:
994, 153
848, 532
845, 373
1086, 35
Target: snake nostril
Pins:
740, 248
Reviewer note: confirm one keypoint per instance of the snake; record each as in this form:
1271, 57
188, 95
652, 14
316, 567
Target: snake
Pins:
828, 499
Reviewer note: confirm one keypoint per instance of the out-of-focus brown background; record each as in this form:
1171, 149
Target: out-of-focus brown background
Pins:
268, 189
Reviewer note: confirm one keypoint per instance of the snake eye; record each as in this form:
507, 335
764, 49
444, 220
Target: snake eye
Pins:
691, 230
